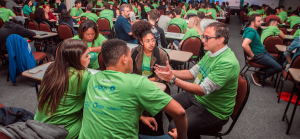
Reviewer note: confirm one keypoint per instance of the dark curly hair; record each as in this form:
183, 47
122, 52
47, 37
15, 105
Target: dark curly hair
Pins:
140, 29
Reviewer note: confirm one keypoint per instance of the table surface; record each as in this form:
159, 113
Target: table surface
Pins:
39, 33
38, 80
93, 8
10, 18
295, 74
289, 30
176, 36
282, 48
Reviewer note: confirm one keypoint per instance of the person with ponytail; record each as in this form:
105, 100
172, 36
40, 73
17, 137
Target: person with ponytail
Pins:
194, 29
63, 88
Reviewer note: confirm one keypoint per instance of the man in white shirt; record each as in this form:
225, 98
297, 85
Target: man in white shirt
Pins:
164, 20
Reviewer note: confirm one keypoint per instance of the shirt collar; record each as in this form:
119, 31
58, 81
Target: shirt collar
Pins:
218, 52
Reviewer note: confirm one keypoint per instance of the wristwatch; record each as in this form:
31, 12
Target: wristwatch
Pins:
173, 80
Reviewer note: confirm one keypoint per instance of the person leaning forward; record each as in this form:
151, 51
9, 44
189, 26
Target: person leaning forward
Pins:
210, 100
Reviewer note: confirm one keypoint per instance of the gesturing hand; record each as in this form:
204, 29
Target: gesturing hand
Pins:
173, 134
164, 73
149, 121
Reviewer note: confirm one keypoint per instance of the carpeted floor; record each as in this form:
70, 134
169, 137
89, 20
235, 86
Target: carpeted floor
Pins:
261, 117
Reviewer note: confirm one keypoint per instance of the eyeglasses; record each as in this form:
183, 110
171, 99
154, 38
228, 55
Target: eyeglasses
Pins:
206, 38
148, 40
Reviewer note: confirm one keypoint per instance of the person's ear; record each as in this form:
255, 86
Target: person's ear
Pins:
221, 40
157, 19
124, 59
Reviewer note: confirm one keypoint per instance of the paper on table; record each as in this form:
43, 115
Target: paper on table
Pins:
168, 50
39, 68
93, 71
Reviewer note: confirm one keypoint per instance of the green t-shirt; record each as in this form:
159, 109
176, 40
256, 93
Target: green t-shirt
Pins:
90, 16
5, 14
293, 20
69, 110
282, 15
191, 11
289, 11
109, 15
260, 11
269, 31
114, 103
55, 5
214, 13
147, 9
223, 70
252, 12
296, 34
190, 32
75, 12
112, 3
155, 5
135, 10
180, 22
146, 66
27, 10
218, 7
186, 5
94, 55
202, 10
182, 13
255, 45
99, 4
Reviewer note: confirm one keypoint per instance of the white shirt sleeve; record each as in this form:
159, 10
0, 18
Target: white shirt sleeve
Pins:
195, 70
209, 86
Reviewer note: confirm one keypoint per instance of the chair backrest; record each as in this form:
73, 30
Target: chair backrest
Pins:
103, 24
52, 6
192, 44
242, 14
161, 12
295, 26
33, 25
270, 43
174, 28
208, 17
246, 18
101, 62
1, 22
241, 98
31, 16
64, 31
283, 30
82, 18
45, 27
296, 62
293, 31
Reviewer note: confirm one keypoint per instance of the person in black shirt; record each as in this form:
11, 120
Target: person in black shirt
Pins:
160, 37
60, 5
162, 6
13, 27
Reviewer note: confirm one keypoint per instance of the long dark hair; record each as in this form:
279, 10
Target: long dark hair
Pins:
143, 12
39, 13
55, 83
65, 16
26, 2
84, 26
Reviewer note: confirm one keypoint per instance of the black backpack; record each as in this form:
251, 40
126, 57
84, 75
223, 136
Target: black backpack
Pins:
10, 115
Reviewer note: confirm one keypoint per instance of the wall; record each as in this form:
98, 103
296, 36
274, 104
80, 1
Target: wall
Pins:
291, 3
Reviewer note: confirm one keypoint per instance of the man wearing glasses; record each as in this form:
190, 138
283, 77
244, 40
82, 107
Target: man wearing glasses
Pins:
210, 100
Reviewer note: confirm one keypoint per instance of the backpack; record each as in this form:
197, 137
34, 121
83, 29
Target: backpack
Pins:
113, 33
10, 115
156, 36
156, 55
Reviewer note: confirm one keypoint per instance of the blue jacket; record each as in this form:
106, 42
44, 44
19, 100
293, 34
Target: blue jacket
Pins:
19, 55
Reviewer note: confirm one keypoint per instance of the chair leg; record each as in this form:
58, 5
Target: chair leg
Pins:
276, 79
8, 76
279, 80
292, 118
287, 106
243, 69
246, 70
279, 95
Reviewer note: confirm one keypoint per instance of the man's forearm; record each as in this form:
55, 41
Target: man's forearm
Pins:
183, 74
189, 87
248, 50
181, 125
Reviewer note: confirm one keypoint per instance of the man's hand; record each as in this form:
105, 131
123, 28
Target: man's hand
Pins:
164, 73
149, 121
173, 134
152, 79
250, 58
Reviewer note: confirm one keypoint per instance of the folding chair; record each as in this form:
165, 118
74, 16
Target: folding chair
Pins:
174, 28
103, 26
64, 31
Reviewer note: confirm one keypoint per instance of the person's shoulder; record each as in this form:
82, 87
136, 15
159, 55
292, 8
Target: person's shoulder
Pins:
76, 37
228, 57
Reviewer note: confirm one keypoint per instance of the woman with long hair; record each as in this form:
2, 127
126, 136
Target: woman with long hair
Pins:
141, 11
183, 9
62, 92
27, 9
144, 57
39, 17
66, 18
194, 29
48, 13
89, 33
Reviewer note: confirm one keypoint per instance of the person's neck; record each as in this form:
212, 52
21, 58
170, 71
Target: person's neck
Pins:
2, 7
147, 53
116, 68
88, 11
218, 48
59, 3
152, 22
77, 8
177, 16
252, 26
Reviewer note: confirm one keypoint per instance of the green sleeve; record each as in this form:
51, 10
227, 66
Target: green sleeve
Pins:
289, 19
100, 40
154, 100
73, 12
185, 26
296, 34
33, 8
221, 73
11, 13
250, 35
